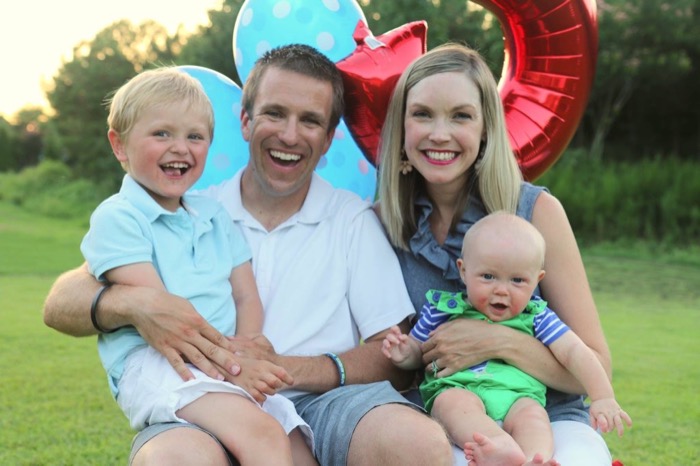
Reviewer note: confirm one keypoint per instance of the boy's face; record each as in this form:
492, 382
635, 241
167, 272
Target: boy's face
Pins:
500, 280
165, 150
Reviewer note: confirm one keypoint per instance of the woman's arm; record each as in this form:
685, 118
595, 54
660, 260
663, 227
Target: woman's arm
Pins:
462, 342
566, 287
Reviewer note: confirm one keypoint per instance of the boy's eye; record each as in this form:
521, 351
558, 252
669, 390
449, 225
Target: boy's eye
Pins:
518, 280
160, 133
487, 276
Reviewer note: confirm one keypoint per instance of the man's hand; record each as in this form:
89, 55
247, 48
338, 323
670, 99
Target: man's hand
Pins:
254, 346
175, 329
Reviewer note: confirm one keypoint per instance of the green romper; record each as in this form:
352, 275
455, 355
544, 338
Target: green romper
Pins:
498, 384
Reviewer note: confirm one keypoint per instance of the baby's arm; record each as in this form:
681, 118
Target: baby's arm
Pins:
249, 310
403, 350
579, 359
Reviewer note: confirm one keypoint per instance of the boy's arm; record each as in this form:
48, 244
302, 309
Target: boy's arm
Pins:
137, 274
249, 310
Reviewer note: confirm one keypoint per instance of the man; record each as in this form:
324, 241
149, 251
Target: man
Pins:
326, 275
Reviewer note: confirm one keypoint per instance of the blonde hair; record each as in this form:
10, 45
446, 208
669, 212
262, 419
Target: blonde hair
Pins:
496, 174
160, 86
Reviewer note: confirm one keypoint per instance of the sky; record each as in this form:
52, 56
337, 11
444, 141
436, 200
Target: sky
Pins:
35, 35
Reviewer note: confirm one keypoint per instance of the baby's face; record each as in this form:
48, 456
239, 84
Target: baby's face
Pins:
500, 281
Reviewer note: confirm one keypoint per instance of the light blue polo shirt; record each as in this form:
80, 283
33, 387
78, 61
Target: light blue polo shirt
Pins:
194, 251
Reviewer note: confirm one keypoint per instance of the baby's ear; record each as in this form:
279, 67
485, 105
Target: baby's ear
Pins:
540, 276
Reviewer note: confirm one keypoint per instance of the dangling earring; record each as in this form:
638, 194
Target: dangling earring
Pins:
480, 156
405, 166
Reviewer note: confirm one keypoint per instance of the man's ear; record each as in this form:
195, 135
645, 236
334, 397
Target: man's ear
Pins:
245, 125
117, 143
329, 141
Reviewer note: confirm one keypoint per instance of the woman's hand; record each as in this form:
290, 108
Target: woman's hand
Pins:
459, 344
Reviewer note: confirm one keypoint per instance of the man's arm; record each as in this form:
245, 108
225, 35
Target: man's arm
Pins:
318, 374
167, 322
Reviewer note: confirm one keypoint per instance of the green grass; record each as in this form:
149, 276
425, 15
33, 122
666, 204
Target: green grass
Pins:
56, 407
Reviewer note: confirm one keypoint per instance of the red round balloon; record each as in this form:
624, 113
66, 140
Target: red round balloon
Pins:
550, 48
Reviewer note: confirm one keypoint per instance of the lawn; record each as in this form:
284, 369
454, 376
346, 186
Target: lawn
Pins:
56, 407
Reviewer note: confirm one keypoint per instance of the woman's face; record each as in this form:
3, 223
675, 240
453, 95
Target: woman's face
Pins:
443, 127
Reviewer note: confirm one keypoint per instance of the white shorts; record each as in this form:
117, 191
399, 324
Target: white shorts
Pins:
151, 392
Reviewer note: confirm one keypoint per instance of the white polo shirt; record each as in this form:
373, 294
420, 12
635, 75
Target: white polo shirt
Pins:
327, 276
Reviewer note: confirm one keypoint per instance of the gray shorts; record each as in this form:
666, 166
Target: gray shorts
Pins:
151, 431
332, 416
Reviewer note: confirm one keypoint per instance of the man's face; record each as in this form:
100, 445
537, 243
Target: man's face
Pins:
288, 131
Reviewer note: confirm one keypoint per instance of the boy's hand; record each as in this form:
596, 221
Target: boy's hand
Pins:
606, 415
260, 378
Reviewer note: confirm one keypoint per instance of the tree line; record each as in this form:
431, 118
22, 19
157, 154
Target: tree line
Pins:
644, 102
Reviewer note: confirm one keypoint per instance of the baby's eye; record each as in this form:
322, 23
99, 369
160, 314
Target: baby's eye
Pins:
518, 280
160, 133
487, 276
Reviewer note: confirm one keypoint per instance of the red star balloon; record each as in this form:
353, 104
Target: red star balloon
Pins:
370, 74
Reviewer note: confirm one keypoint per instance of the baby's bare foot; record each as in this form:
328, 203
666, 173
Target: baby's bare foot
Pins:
537, 460
497, 451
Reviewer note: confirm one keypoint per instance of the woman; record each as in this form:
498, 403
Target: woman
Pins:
446, 162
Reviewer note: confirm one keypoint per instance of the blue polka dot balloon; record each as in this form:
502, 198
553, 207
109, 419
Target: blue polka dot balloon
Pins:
261, 25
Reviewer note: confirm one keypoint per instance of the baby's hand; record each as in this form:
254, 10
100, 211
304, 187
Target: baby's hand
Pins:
606, 415
394, 345
261, 378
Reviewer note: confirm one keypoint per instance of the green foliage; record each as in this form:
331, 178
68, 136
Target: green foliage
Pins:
51, 189
212, 45
98, 68
61, 411
652, 200
448, 21
649, 50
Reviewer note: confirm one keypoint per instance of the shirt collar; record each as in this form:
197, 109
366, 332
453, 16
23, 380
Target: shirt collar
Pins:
137, 195
443, 256
314, 209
